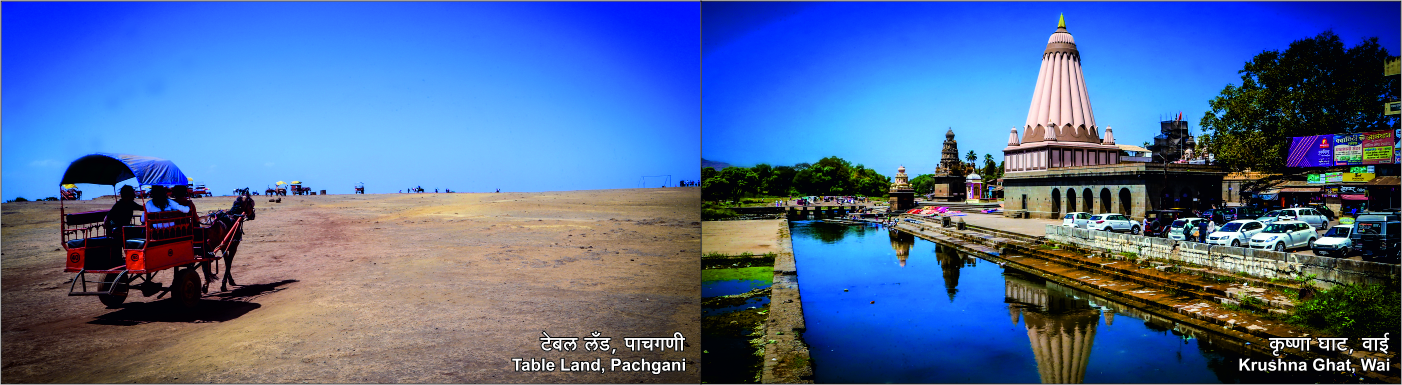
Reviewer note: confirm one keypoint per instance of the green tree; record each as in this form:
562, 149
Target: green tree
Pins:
763, 172
990, 169
868, 182
830, 176
1314, 87
743, 182
923, 184
781, 181
972, 157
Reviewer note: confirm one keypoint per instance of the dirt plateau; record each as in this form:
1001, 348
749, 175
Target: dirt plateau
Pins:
424, 288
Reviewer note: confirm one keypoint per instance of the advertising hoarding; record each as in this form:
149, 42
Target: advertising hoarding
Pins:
1311, 151
1377, 147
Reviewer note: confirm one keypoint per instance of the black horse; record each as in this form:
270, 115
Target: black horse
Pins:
222, 223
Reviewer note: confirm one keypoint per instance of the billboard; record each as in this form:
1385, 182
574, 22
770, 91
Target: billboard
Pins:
1311, 151
1377, 147
1342, 150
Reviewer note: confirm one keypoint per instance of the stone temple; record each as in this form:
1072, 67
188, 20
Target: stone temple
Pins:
1061, 163
949, 175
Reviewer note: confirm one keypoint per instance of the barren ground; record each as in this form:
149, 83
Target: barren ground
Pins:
427, 288
755, 237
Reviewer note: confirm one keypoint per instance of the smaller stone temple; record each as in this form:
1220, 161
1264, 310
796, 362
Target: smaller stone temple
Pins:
902, 194
974, 186
949, 175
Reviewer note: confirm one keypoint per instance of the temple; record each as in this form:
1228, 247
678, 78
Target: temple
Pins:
902, 195
949, 175
1061, 162
1060, 130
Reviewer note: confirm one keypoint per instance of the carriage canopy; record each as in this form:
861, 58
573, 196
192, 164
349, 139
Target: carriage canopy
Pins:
109, 169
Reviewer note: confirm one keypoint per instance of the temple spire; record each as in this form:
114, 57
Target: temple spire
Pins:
1061, 23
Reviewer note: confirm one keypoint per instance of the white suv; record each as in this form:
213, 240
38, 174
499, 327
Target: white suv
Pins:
1112, 223
1283, 235
1236, 233
1175, 230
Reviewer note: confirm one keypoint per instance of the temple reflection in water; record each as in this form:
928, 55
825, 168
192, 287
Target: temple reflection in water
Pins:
951, 260
901, 242
1060, 325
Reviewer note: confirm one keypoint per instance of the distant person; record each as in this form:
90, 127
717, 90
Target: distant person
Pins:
435, 191
120, 214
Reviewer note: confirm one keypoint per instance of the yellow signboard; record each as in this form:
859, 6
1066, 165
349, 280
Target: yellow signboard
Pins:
1349, 177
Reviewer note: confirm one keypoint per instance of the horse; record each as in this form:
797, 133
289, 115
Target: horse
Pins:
221, 224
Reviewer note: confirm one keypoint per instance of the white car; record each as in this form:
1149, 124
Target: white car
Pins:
1076, 219
1304, 214
1335, 242
1112, 223
1236, 233
1175, 229
1283, 235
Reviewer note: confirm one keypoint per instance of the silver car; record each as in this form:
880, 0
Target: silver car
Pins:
1303, 214
1076, 219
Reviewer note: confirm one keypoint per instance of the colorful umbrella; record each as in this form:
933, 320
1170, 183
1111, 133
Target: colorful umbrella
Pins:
279, 183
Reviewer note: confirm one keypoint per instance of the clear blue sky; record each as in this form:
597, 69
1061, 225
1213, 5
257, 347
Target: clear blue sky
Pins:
467, 96
880, 83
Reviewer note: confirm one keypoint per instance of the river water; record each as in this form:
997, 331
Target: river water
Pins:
886, 307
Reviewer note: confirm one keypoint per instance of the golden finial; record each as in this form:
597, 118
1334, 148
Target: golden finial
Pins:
1062, 22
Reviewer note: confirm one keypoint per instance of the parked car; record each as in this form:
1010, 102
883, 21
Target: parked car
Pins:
1113, 222
1323, 210
1284, 235
1335, 242
1303, 214
1236, 233
1176, 230
1161, 220
1236, 213
1377, 234
1076, 219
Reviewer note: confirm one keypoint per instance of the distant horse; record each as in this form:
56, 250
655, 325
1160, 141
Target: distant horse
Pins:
269, 191
221, 224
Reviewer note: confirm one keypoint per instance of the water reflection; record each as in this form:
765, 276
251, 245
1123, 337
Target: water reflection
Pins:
951, 260
901, 242
1060, 326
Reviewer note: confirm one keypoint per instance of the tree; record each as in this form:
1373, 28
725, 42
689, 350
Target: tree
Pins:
743, 182
923, 184
830, 176
763, 172
781, 181
1314, 87
990, 169
868, 182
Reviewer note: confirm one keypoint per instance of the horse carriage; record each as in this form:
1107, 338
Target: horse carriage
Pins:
360, 188
70, 192
132, 256
298, 189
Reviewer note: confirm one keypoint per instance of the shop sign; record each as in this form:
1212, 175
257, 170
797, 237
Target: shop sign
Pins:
1353, 190
1333, 177
1310, 151
1377, 147
1348, 149
1361, 169
1313, 179
1349, 177
1331, 192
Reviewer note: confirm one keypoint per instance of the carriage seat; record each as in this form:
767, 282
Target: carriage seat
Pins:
89, 242
86, 217
137, 243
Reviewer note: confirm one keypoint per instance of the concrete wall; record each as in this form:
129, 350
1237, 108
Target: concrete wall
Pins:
1258, 263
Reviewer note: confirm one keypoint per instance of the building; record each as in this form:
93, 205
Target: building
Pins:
949, 175
1062, 164
902, 195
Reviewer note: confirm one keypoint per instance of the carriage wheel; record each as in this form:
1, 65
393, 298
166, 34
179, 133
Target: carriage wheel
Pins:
186, 289
119, 293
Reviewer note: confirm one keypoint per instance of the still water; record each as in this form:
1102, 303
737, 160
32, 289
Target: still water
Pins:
884, 306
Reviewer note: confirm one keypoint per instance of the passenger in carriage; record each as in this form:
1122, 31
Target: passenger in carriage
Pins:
120, 214
181, 194
160, 202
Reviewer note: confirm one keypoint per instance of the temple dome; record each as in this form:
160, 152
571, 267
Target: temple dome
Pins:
1061, 109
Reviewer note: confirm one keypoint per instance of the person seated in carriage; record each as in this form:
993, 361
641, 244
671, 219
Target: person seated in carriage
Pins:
120, 214
160, 202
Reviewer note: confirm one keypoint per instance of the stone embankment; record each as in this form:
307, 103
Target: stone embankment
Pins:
1210, 296
786, 360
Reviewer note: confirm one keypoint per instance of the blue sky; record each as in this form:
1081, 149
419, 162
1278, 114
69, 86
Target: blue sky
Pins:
467, 96
880, 83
